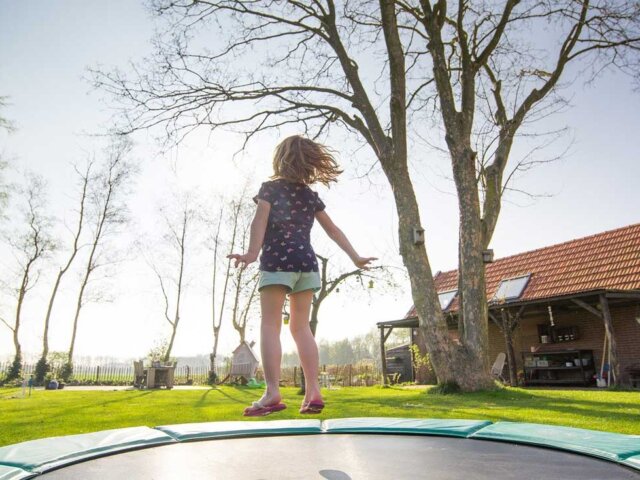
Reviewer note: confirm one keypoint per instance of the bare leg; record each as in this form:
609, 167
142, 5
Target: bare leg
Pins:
300, 304
271, 302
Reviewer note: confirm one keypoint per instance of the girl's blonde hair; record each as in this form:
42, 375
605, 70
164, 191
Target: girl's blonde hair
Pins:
299, 159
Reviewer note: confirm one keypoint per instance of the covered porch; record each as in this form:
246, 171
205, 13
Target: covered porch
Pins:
565, 340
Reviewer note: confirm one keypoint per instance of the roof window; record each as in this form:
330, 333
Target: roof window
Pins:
511, 288
446, 298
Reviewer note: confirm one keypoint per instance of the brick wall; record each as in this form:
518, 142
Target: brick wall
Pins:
591, 332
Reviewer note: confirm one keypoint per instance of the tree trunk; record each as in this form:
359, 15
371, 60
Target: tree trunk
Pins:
452, 364
45, 336
75, 320
614, 366
313, 322
212, 357
471, 269
507, 331
313, 325
167, 354
176, 317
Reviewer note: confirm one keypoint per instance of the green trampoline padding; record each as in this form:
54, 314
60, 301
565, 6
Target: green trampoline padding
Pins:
14, 473
415, 426
615, 447
202, 431
47, 453
24, 460
633, 462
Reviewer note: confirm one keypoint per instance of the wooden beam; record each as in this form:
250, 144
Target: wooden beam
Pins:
629, 295
388, 333
515, 321
588, 307
495, 320
614, 367
383, 355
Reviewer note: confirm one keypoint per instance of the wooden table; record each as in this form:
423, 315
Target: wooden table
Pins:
160, 376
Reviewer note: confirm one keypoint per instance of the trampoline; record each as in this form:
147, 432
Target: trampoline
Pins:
339, 449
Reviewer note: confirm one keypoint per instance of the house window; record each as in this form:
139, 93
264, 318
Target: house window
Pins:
511, 288
446, 298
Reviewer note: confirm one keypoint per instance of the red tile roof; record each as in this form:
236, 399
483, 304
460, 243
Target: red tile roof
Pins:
606, 261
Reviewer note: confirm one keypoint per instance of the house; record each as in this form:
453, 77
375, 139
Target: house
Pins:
571, 311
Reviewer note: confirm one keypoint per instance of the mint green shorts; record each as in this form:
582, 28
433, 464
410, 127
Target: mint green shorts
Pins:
294, 281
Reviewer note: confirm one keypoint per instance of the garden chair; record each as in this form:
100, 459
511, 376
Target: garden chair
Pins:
498, 366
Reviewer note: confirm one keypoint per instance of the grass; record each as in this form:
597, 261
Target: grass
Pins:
63, 412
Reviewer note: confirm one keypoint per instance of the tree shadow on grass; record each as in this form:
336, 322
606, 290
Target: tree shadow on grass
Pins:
235, 399
202, 400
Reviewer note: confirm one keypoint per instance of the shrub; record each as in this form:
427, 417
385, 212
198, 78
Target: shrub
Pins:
41, 370
66, 372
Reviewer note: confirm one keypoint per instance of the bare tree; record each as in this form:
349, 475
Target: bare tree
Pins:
382, 275
245, 281
5, 124
245, 299
172, 285
216, 320
31, 245
234, 220
84, 177
243, 288
107, 213
468, 65
8, 127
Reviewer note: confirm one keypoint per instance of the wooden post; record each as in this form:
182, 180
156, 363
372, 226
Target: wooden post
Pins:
97, 373
507, 330
383, 356
614, 367
411, 354
350, 374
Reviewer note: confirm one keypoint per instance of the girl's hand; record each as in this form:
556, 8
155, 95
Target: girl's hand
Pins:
363, 262
242, 260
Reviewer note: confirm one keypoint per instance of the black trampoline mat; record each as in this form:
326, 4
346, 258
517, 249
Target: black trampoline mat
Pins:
344, 457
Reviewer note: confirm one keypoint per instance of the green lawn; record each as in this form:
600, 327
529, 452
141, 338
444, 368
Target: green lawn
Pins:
52, 413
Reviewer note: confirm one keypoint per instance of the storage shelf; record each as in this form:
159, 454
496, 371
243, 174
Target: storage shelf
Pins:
574, 374
566, 381
554, 368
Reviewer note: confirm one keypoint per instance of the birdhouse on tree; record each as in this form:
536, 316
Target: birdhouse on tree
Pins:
244, 362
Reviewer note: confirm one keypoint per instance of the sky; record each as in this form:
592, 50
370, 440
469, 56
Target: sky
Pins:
45, 50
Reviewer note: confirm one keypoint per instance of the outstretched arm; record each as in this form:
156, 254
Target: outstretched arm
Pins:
342, 241
258, 228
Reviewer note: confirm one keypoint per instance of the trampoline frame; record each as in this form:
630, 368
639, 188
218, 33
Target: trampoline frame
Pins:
32, 458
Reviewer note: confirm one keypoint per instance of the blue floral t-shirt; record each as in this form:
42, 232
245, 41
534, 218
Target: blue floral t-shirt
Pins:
287, 241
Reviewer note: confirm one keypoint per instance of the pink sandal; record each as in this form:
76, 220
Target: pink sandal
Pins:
312, 408
257, 409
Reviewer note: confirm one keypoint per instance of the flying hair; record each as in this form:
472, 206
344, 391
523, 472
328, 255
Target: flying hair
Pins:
301, 160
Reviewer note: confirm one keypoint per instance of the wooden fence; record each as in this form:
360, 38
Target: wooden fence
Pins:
351, 375
119, 374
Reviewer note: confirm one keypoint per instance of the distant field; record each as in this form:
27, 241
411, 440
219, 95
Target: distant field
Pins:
63, 412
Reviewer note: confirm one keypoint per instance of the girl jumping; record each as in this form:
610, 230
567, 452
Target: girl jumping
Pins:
281, 228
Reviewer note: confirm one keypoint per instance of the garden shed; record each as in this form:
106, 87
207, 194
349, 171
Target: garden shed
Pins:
244, 361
